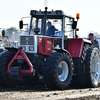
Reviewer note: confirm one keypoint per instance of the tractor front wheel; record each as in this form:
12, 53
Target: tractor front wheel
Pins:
5, 58
58, 70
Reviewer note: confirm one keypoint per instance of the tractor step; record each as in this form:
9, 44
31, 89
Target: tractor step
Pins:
15, 73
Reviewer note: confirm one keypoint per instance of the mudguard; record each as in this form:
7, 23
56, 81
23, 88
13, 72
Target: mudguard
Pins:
76, 46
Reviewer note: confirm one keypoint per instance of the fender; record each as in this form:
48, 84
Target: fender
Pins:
76, 46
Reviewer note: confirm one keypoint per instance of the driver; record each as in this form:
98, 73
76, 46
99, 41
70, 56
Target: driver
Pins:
51, 29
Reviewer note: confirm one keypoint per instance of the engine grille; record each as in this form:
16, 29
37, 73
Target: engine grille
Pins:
43, 46
31, 40
27, 40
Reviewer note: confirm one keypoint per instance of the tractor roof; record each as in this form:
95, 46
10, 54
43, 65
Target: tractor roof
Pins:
58, 14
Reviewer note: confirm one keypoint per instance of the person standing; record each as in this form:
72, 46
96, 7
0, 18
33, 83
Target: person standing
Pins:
95, 43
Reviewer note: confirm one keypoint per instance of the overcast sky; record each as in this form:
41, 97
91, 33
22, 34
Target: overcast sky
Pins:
11, 12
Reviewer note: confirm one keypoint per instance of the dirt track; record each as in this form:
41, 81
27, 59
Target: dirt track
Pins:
37, 93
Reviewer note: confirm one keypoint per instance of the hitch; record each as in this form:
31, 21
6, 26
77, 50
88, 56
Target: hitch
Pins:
23, 57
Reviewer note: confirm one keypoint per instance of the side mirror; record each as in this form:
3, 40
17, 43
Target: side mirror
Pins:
3, 33
74, 25
21, 24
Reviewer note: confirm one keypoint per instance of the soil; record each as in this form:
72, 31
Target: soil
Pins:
42, 93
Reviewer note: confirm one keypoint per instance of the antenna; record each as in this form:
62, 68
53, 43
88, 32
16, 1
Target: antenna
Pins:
46, 8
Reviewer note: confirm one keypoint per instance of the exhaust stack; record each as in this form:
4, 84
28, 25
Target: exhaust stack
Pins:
45, 18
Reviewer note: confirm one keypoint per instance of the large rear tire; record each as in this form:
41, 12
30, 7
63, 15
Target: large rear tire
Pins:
92, 67
78, 79
5, 58
58, 70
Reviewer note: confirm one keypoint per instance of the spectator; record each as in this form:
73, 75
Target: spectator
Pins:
93, 40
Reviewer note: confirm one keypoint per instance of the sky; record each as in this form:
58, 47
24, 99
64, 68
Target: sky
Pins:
11, 11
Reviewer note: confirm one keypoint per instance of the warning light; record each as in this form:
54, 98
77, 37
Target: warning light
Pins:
77, 16
70, 16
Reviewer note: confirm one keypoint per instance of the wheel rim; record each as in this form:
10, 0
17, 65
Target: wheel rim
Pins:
65, 71
95, 67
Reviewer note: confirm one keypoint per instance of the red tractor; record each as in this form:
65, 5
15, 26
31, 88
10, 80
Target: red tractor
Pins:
56, 60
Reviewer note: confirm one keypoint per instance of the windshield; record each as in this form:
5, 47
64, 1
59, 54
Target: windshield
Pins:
53, 27
37, 25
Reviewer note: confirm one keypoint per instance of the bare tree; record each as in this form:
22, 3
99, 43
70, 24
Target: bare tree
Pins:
12, 33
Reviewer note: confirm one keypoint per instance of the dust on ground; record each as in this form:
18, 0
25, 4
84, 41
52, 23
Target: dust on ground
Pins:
42, 93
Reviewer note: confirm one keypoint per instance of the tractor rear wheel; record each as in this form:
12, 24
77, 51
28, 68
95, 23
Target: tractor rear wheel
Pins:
5, 58
92, 67
78, 79
58, 70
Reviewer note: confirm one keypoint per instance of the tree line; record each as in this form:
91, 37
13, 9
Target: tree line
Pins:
12, 33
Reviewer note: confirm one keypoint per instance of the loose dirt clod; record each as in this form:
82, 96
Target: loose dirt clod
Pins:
48, 96
55, 94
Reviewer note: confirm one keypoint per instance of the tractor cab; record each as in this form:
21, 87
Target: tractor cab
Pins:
38, 22
53, 27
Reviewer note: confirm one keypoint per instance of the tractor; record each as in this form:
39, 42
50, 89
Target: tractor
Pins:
56, 60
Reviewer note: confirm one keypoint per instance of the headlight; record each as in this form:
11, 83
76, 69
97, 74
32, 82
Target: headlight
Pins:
24, 48
31, 48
